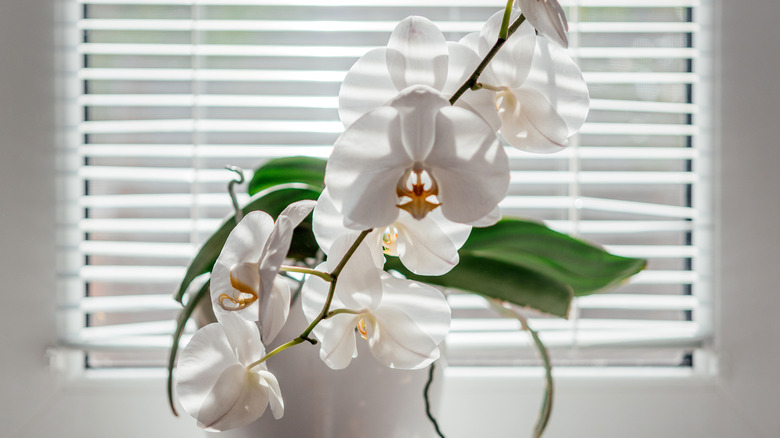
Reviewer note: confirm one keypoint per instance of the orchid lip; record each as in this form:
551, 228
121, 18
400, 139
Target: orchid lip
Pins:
413, 187
241, 301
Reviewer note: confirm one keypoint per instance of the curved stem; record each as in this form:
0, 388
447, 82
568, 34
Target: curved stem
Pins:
546, 409
277, 350
323, 275
304, 337
426, 391
333, 313
472, 80
332, 289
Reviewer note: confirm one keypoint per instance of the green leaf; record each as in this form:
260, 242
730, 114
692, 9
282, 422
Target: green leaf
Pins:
181, 322
306, 170
530, 265
271, 201
586, 268
499, 279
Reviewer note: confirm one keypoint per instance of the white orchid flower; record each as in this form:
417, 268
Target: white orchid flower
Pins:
426, 247
417, 153
416, 54
244, 279
403, 321
547, 17
214, 382
537, 90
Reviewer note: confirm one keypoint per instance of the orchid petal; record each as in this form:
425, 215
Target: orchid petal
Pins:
358, 286
424, 304
244, 244
417, 54
471, 40
397, 342
424, 248
530, 122
483, 103
238, 398
456, 232
462, 62
366, 86
337, 340
337, 333
314, 294
244, 339
274, 393
328, 225
555, 75
491, 219
470, 165
274, 309
417, 107
364, 168
276, 248
548, 18
510, 66
200, 365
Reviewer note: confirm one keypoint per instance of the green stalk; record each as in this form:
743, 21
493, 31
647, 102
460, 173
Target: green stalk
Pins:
472, 80
503, 33
547, 400
328, 301
300, 269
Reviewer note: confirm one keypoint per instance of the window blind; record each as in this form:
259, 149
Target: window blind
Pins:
171, 91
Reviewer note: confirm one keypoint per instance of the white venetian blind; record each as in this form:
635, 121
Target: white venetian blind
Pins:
174, 90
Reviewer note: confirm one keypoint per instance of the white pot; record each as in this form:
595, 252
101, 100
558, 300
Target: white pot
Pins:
365, 399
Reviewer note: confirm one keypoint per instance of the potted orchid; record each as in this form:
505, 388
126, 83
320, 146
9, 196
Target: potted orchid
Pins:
405, 207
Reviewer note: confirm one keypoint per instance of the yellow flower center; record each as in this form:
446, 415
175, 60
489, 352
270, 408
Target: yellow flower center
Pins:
242, 297
361, 327
414, 193
390, 241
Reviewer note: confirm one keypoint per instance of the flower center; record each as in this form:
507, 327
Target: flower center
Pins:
242, 297
505, 93
361, 327
390, 241
414, 188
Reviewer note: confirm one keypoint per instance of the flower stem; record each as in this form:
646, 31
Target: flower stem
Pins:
502, 34
277, 350
340, 311
332, 290
325, 313
472, 80
546, 409
323, 275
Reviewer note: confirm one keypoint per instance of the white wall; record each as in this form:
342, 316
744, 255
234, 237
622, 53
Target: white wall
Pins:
741, 401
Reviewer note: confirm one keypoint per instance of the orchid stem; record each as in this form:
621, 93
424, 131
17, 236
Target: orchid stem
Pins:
472, 80
325, 313
323, 275
547, 401
332, 290
502, 34
340, 311
239, 179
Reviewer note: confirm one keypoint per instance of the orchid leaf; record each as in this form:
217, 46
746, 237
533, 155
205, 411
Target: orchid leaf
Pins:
305, 170
528, 264
500, 279
585, 267
271, 201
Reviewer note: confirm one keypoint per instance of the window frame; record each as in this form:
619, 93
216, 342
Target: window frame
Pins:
737, 396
